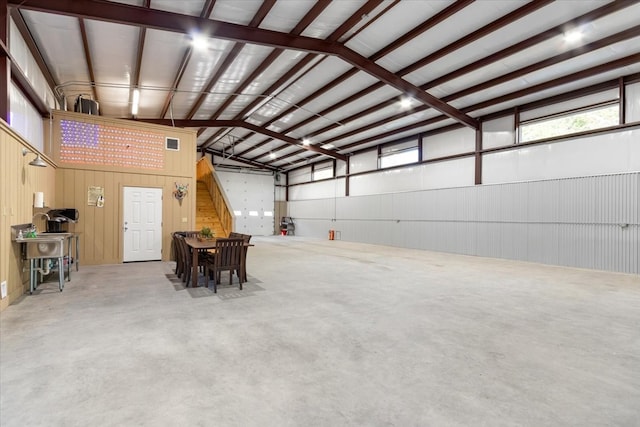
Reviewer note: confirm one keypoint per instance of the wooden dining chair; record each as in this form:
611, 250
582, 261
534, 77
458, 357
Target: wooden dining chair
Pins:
227, 257
177, 254
247, 239
185, 255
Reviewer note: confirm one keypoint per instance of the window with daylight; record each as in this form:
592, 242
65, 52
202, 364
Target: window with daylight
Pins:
567, 123
396, 154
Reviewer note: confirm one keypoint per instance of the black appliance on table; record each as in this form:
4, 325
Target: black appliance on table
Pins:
59, 219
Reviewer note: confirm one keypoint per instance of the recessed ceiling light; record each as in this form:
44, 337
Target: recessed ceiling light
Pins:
199, 42
405, 102
573, 36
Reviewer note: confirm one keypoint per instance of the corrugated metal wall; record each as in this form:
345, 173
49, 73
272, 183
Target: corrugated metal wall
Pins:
590, 222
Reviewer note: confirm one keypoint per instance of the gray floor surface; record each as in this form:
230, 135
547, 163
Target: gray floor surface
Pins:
327, 333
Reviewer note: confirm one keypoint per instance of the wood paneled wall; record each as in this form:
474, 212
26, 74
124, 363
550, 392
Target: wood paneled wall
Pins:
101, 240
18, 182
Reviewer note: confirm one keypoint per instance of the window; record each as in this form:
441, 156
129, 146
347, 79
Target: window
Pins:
399, 154
590, 118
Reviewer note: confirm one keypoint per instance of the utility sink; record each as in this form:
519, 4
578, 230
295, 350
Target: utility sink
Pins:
43, 246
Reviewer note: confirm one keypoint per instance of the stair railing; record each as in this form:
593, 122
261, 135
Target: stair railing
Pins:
206, 173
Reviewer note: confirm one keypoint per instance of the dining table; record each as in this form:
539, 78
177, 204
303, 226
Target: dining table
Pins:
196, 246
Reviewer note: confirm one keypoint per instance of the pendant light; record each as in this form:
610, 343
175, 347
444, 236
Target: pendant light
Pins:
37, 161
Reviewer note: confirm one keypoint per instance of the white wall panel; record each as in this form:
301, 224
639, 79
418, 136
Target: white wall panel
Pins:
632, 103
341, 168
386, 181
447, 143
25, 119
498, 132
363, 162
614, 152
376, 207
299, 175
589, 222
248, 193
450, 173
318, 190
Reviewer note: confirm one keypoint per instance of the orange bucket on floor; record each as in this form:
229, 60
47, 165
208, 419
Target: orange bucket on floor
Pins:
332, 234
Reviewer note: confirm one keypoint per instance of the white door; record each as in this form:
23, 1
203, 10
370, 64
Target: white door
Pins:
142, 224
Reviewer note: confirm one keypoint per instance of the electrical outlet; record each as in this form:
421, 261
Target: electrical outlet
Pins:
3, 289
184, 219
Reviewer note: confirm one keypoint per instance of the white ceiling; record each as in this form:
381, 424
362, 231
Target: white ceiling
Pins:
181, 85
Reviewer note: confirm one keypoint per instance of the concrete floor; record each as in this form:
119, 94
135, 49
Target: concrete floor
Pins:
327, 334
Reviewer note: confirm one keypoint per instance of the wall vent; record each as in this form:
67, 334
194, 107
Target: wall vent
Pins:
172, 144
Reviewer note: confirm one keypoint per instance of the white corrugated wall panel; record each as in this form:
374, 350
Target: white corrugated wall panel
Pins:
363, 162
498, 132
588, 222
317, 190
614, 152
448, 143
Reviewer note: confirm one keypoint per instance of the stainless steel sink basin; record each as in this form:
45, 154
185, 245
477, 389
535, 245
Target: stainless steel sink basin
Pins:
47, 234
43, 247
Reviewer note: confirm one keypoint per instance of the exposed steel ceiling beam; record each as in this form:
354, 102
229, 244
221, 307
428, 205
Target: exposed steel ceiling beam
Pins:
429, 23
184, 24
461, 42
228, 60
315, 11
288, 75
241, 160
337, 34
206, 12
607, 41
589, 72
531, 41
602, 68
419, 29
241, 124
87, 56
599, 44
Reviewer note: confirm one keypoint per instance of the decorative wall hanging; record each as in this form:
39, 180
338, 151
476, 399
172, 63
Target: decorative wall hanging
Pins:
181, 191
94, 194
89, 143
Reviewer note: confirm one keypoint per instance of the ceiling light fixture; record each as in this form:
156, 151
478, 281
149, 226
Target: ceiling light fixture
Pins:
272, 155
136, 101
405, 102
35, 162
328, 146
573, 36
306, 142
199, 42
